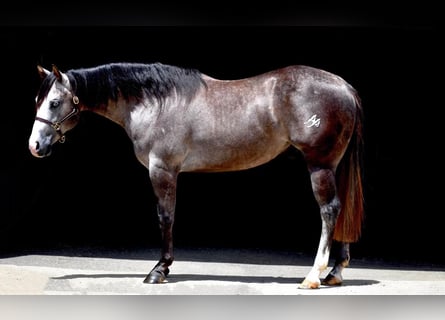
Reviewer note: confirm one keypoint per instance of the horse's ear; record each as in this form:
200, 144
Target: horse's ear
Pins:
61, 77
57, 73
43, 73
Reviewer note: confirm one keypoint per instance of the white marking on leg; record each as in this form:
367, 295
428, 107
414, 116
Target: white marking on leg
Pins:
320, 265
312, 280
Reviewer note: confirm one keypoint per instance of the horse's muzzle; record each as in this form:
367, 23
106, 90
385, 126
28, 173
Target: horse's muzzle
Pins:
39, 151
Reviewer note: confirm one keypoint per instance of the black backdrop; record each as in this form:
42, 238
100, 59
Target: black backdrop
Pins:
92, 191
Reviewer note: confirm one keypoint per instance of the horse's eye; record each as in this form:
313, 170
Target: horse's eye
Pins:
54, 104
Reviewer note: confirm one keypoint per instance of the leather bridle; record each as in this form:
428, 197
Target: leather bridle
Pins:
57, 125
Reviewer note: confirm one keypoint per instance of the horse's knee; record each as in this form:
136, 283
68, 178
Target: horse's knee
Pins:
165, 217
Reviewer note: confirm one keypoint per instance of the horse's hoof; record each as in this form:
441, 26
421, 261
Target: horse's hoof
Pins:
332, 280
156, 277
306, 284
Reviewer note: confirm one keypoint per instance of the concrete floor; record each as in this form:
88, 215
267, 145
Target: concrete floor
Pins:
202, 272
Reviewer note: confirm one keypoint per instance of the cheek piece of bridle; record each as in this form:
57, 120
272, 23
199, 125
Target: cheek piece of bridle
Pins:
57, 126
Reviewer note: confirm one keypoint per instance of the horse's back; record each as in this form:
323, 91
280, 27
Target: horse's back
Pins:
238, 124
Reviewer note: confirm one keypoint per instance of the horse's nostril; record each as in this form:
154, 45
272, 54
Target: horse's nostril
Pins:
37, 145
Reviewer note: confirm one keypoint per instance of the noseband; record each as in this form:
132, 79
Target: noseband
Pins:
57, 125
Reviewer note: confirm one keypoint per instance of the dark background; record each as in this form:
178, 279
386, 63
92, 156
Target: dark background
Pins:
93, 192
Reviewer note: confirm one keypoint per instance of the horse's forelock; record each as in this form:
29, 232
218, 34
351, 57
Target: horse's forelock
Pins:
45, 86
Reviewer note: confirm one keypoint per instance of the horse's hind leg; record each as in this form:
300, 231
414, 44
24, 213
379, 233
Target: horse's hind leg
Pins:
342, 258
324, 188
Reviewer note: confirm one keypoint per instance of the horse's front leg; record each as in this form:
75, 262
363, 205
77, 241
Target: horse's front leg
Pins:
164, 185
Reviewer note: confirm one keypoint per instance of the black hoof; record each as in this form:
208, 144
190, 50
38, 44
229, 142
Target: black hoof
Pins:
332, 280
156, 276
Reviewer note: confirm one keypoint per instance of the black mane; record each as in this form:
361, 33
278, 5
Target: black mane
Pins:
95, 86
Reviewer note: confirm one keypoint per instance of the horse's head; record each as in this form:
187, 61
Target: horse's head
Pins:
56, 111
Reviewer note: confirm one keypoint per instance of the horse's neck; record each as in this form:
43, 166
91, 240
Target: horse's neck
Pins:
116, 111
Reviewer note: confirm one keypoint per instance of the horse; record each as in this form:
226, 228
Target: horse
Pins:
182, 120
